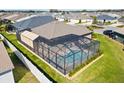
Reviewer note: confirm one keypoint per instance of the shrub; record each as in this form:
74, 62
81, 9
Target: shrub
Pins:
99, 52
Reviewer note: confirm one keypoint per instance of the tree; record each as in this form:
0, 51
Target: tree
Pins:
2, 28
94, 20
79, 20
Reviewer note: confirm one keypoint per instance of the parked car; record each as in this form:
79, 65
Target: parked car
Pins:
111, 34
108, 32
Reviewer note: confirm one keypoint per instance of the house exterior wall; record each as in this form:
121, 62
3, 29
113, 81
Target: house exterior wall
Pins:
84, 20
89, 20
7, 77
27, 41
112, 21
60, 19
74, 21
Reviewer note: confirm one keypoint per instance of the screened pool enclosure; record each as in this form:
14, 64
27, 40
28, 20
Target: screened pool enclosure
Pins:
65, 54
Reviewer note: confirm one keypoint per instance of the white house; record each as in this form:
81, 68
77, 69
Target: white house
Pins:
74, 18
6, 66
60, 18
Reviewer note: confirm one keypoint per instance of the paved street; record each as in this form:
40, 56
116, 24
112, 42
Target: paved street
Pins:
110, 27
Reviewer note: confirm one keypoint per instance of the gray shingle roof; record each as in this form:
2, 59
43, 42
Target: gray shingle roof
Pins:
106, 17
57, 29
33, 22
16, 16
121, 19
76, 16
5, 62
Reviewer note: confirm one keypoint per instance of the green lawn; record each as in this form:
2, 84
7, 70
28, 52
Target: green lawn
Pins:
110, 68
21, 73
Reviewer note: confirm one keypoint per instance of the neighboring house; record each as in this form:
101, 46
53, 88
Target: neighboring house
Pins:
32, 22
75, 18
121, 19
16, 16
60, 17
107, 18
61, 45
6, 66
11, 18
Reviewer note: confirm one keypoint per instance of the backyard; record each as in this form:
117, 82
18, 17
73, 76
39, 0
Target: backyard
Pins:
21, 73
109, 68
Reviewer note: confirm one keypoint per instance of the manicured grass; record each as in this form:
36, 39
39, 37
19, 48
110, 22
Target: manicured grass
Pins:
21, 73
78, 68
110, 68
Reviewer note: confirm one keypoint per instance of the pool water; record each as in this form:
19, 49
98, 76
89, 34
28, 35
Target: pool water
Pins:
77, 56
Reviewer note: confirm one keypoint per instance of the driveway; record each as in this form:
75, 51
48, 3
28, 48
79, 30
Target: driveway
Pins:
100, 31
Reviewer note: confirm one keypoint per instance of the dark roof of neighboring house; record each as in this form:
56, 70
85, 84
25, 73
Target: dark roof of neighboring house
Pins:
33, 22
5, 62
57, 29
106, 17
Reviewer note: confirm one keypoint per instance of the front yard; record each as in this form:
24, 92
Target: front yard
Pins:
109, 68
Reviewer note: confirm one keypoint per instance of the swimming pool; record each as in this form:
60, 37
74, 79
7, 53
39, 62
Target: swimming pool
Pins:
77, 57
